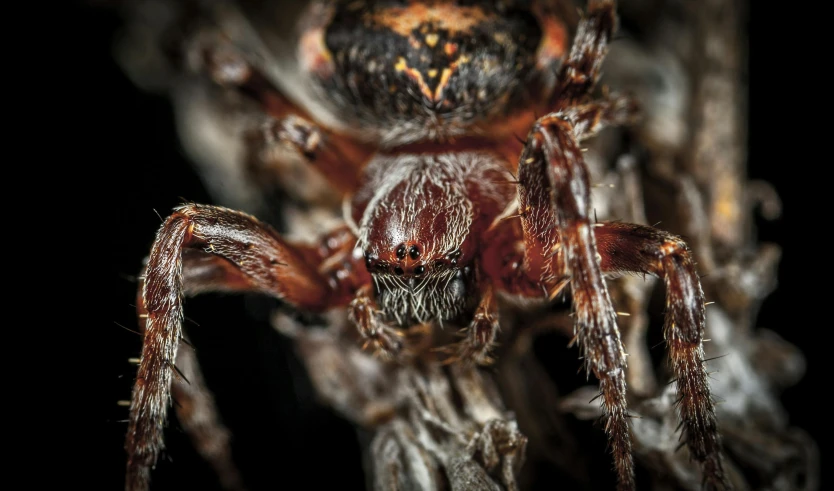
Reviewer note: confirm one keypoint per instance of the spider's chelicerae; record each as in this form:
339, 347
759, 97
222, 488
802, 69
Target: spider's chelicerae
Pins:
453, 134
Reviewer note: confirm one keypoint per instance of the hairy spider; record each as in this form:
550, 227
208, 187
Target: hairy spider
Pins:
410, 112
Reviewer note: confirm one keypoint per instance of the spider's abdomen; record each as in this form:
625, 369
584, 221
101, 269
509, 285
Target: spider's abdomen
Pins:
409, 71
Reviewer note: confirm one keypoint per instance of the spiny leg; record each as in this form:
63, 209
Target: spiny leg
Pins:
590, 118
245, 255
580, 72
194, 403
637, 248
554, 190
199, 418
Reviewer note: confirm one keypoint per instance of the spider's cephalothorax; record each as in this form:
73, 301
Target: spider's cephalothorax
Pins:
417, 216
436, 227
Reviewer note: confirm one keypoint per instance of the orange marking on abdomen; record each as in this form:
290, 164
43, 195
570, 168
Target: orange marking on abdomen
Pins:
404, 20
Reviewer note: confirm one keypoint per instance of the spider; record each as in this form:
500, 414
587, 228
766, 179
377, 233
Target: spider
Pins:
411, 112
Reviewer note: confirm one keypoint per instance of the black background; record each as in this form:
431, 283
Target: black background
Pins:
281, 435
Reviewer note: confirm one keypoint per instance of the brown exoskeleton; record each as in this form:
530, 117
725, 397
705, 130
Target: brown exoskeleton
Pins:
412, 111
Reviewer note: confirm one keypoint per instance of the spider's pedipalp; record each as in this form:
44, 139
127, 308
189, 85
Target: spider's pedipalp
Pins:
364, 314
481, 333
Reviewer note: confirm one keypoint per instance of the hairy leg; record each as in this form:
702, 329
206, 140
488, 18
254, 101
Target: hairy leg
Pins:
555, 205
198, 249
199, 418
580, 72
588, 119
552, 167
554, 190
621, 247
194, 403
637, 248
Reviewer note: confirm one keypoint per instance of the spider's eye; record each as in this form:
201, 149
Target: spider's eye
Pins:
401, 251
414, 252
454, 256
398, 271
419, 270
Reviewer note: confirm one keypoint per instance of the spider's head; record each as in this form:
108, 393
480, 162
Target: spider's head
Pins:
418, 252
417, 219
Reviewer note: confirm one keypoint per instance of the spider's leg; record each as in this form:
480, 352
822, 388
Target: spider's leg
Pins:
199, 418
580, 72
199, 249
554, 199
195, 407
336, 156
637, 248
590, 118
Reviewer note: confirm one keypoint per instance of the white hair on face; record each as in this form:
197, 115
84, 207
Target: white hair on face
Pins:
438, 296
